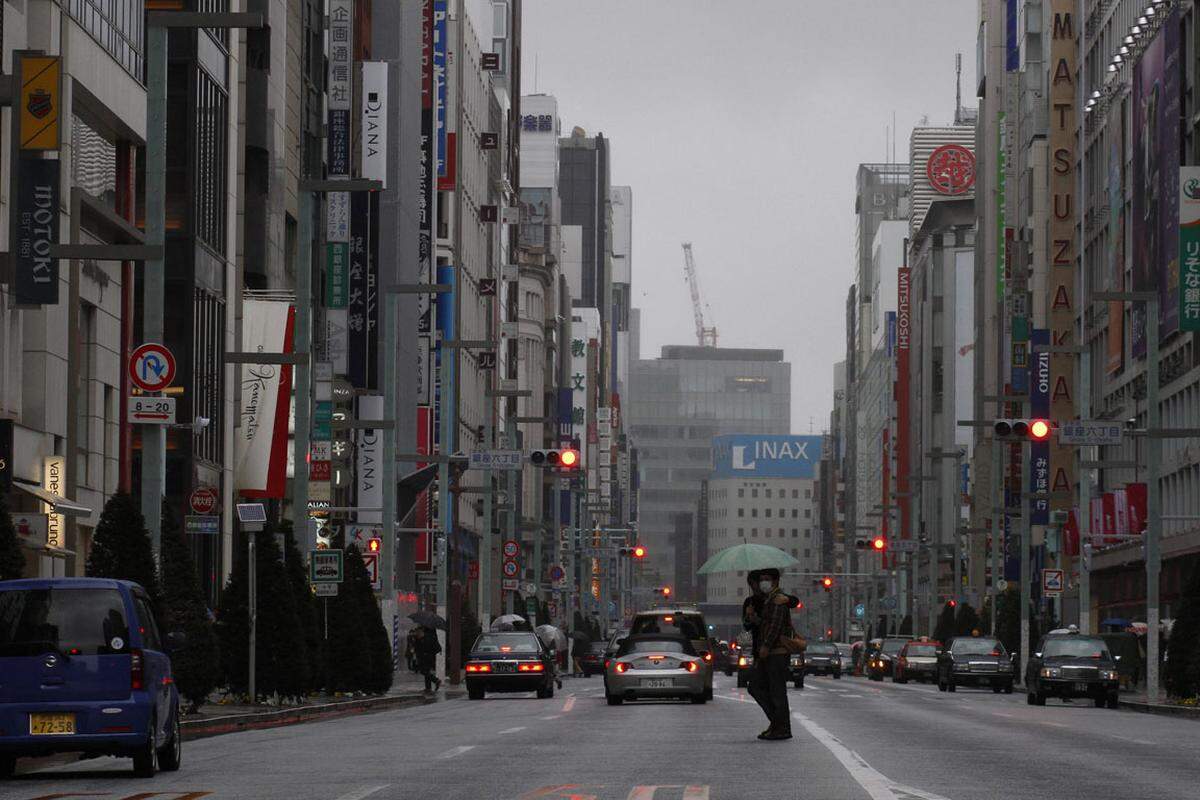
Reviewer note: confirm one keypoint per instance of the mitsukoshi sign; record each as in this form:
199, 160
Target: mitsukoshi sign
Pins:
755, 456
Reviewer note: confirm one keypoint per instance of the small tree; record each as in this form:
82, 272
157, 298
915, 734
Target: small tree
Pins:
121, 546
1008, 620
1182, 670
197, 666
347, 657
12, 560
966, 621
308, 608
944, 630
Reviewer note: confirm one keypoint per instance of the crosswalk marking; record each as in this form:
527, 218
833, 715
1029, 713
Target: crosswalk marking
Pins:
689, 792
512, 730
456, 751
366, 791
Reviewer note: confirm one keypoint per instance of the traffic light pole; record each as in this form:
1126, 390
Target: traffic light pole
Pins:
1023, 539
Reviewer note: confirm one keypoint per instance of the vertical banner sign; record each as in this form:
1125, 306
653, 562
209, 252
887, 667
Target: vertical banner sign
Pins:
903, 353
36, 278
1063, 245
340, 90
1189, 248
369, 462
1155, 172
54, 480
440, 45
579, 390
373, 122
337, 272
1115, 344
41, 100
261, 446
362, 298
1039, 452
425, 212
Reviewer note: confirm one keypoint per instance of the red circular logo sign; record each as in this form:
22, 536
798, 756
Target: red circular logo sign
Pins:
951, 169
203, 500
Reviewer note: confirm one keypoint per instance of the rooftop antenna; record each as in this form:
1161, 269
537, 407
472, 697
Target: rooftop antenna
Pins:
958, 88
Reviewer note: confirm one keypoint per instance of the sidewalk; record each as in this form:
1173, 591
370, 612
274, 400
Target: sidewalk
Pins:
1136, 701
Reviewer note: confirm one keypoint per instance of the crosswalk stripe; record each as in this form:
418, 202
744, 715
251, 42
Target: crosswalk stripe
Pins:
366, 791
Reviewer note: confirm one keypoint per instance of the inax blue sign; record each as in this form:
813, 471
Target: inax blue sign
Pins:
759, 456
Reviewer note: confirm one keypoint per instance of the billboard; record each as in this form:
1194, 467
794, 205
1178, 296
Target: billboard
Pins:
1189, 248
1114, 349
262, 436
1156, 181
761, 456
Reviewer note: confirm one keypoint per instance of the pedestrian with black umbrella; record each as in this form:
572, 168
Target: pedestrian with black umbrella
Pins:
427, 649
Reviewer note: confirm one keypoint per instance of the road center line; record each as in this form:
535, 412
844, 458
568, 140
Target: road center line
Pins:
552, 716
874, 783
512, 730
567, 706
366, 791
456, 751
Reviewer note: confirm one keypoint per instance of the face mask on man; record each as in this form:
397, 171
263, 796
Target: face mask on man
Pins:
765, 586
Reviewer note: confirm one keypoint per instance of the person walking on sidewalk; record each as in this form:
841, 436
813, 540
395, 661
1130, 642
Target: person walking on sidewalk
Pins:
768, 686
427, 650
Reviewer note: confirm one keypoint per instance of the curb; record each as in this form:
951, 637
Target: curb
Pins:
260, 720
1161, 709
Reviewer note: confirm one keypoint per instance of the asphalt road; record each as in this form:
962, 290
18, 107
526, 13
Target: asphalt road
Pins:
854, 740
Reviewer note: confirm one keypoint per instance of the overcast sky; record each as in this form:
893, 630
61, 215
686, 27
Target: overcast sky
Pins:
739, 126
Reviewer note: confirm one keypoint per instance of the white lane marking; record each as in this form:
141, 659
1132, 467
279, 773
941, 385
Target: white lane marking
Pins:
456, 751
1000, 714
366, 791
851, 695
552, 716
1053, 724
567, 706
647, 792
874, 783
512, 730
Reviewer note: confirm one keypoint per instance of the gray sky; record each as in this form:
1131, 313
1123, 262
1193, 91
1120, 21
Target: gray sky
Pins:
739, 126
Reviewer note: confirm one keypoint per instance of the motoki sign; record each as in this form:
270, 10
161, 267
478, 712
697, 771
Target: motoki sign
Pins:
36, 271
951, 169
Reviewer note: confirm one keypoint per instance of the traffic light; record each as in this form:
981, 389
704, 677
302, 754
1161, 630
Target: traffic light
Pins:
565, 459
827, 583
861, 543
879, 544
952, 603
374, 544
665, 591
1036, 430
635, 551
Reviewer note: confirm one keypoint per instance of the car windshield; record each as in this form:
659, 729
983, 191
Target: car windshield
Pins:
655, 646
506, 643
893, 647
921, 651
598, 647
687, 625
821, 650
71, 621
1075, 647
977, 647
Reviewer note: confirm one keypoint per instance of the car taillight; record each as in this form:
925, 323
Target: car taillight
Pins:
533, 667
622, 667
706, 656
137, 670
692, 666
741, 661
479, 667
607, 661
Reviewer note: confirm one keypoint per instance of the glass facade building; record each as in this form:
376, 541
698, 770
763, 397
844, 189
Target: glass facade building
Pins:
676, 405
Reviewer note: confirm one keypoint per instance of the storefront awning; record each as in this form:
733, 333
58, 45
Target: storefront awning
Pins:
61, 505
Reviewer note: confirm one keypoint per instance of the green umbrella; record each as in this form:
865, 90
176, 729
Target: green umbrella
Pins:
746, 557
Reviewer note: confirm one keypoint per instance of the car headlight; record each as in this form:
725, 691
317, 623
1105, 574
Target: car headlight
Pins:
1108, 675
1051, 672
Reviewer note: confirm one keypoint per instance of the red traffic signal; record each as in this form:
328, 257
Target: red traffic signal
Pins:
952, 603
666, 591
374, 544
827, 583
879, 544
568, 459
1040, 430
639, 552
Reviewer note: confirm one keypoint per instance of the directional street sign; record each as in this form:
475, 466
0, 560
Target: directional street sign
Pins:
496, 459
1089, 432
325, 589
152, 367
511, 548
1052, 581
145, 410
509, 584
205, 525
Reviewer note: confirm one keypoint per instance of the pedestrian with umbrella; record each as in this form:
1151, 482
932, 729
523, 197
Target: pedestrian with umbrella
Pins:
427, 648
580, 641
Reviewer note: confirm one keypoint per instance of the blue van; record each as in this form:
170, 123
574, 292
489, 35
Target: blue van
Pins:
83, 668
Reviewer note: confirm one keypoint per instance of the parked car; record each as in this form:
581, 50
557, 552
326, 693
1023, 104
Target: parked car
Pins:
1072, 665
83, 668
975, 661
917, 661
823, 658
656, 665
510, 661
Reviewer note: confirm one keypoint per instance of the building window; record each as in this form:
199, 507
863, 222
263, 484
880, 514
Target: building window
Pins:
741, 492
782, 513
768, 493
754, 512
754, 492
93, 162
808, 513
208, 338
808, 494
741, 531
84, 392
117, 26
795, 533
808, 554
795, 493
795, 513
211, 148
768, 512
741, 512
754, 533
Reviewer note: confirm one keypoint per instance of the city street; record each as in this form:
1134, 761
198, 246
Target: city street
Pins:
853, 740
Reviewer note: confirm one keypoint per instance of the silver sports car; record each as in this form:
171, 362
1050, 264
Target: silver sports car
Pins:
655, 665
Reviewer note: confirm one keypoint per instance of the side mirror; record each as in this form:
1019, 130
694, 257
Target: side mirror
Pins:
1037, 655
176, 640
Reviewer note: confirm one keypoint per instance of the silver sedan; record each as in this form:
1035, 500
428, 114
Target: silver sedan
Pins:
653, 666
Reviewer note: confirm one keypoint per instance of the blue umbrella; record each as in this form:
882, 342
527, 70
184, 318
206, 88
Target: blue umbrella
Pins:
1116, 622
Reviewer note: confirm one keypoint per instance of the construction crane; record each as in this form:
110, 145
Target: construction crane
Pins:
705, 336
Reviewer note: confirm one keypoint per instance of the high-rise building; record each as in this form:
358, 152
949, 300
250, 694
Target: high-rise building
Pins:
585, 189
677, 404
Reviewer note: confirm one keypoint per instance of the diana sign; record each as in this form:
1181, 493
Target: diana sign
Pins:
751, 456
